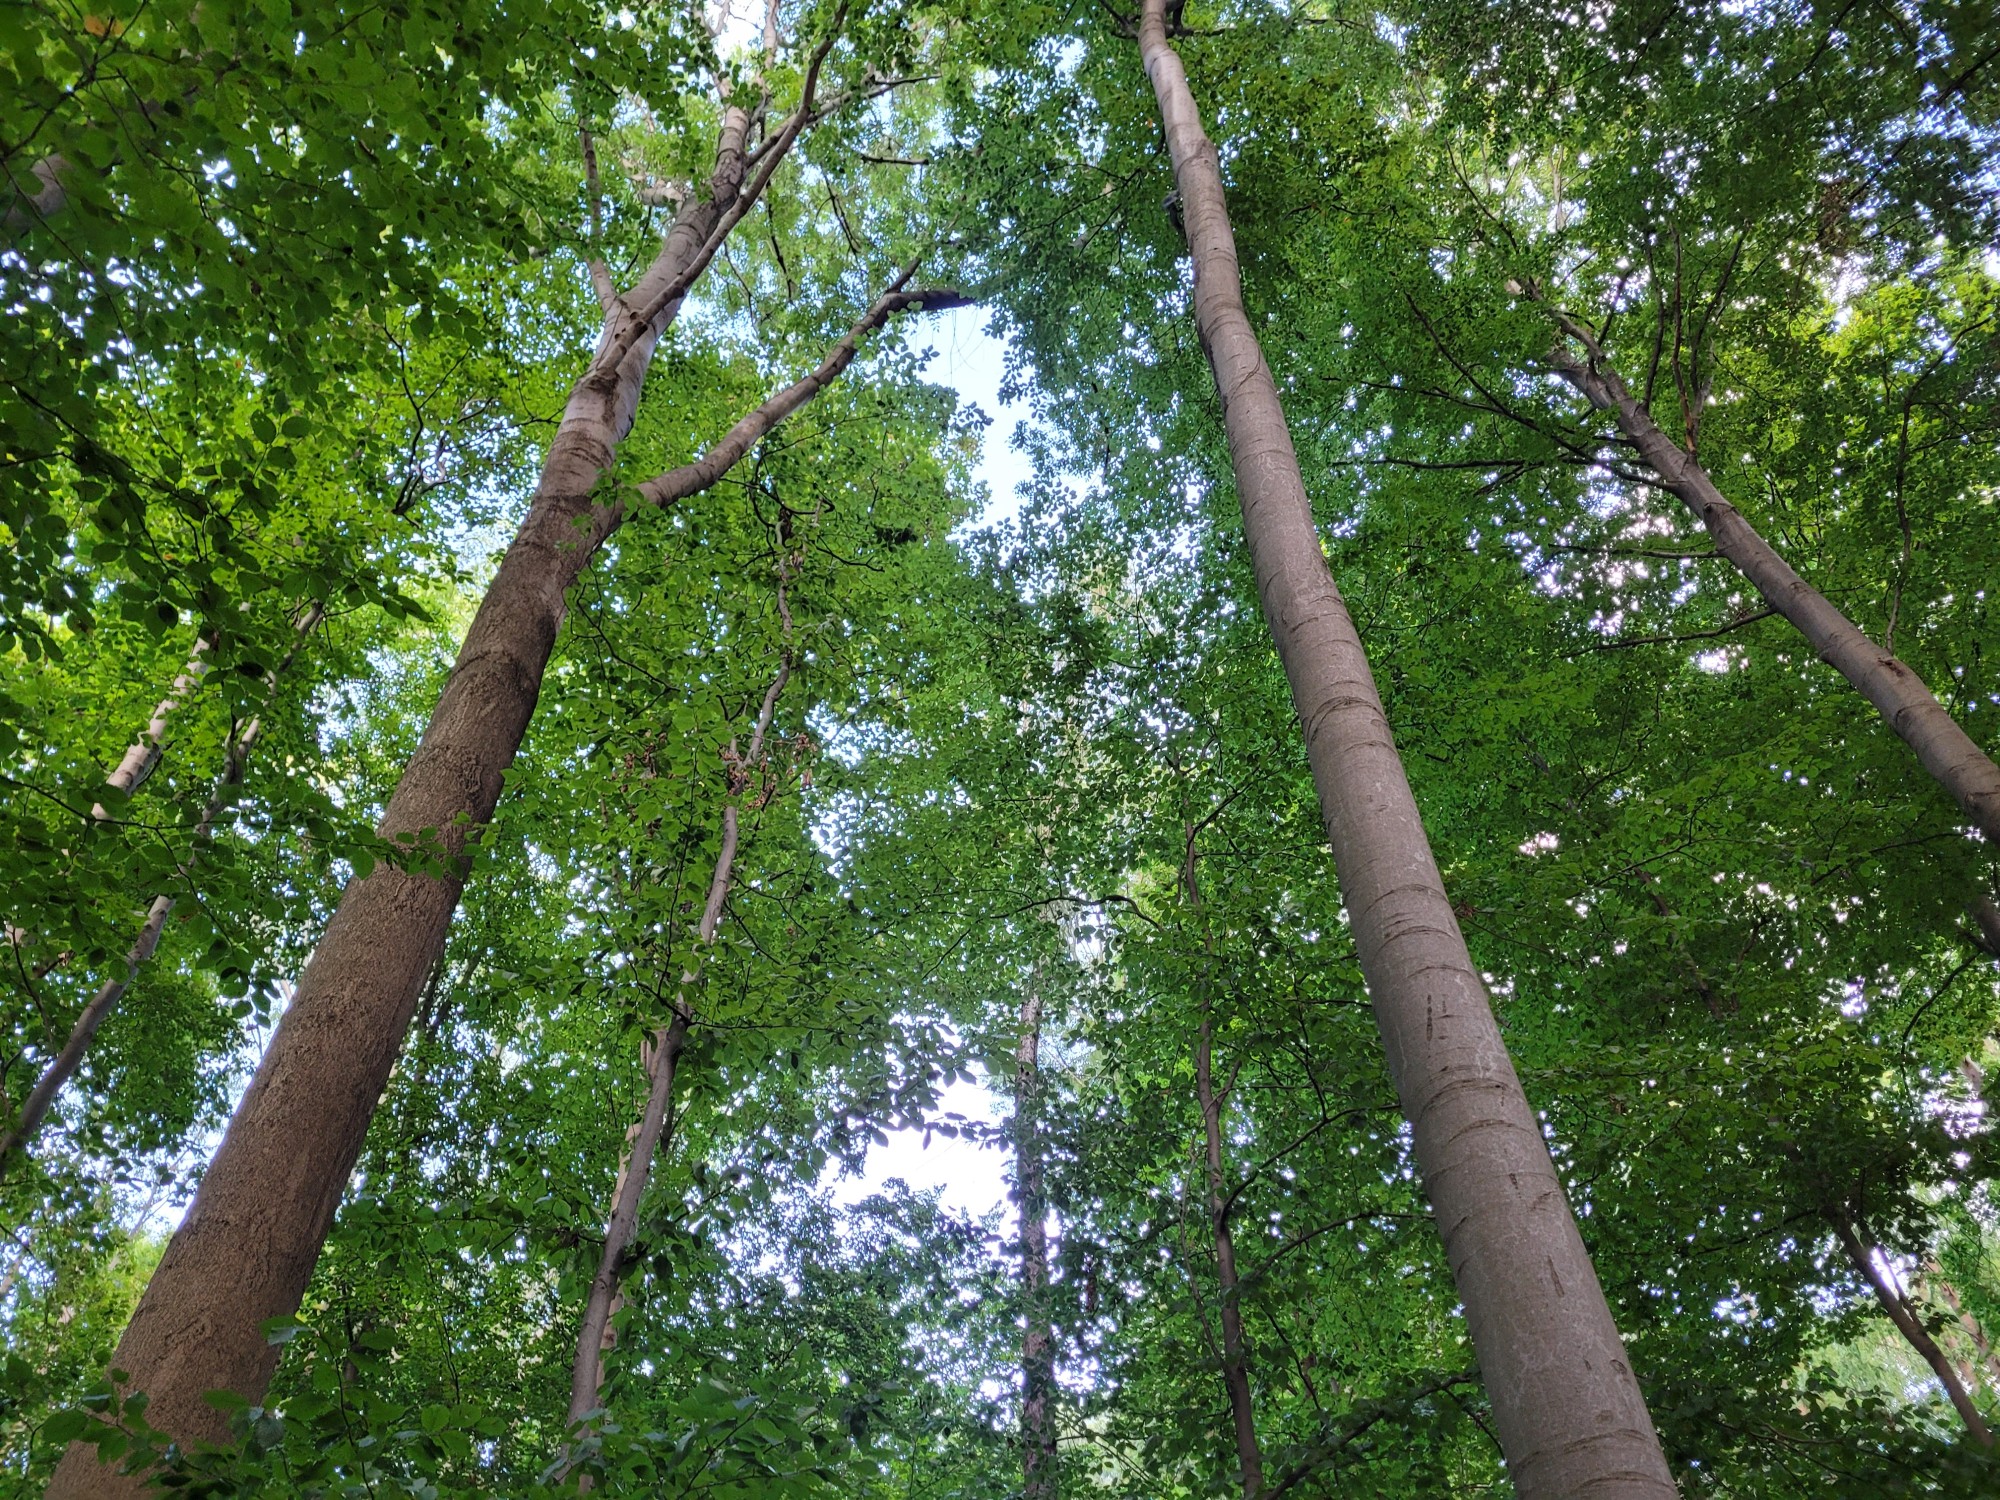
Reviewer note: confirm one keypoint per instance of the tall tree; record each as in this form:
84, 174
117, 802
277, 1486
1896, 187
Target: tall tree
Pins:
248, 1244
1567, 1406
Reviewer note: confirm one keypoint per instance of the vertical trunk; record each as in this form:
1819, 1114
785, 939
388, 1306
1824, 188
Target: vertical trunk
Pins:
1866, 1258
1235, 1358
1569, 1413
248, 1244
595, 1335
1038, 1343
1944, 749
139, 760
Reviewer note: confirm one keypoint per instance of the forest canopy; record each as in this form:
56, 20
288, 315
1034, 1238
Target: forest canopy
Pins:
1420, 784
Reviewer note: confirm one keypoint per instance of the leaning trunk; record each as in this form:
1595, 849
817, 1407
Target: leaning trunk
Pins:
1566, 1406
1944, 749
1235, 1357
1038, 1343
248, 1244
1867, 1259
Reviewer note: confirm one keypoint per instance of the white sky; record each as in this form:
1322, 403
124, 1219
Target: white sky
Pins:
969, 1177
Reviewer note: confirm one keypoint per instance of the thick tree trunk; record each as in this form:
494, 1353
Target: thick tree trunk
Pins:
1945, 750
1235, 1355
1866, 1259
138, 762
246, 1248
1038, 1340
595, 1335
1567, 1408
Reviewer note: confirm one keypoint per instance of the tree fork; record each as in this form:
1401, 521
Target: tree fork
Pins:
1570, 1417
247, 1246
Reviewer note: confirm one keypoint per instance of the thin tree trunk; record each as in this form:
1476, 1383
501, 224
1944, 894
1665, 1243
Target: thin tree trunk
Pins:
143, 754
1235, 1356
1038, 1342
1989, 1362
246, 1248
35, 1108
1945, 750
595, 1336
1865, 1258
1568, 1410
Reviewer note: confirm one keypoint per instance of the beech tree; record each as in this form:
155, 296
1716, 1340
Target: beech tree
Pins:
593, 905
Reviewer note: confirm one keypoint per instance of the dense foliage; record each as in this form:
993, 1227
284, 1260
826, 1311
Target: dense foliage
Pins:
294, 296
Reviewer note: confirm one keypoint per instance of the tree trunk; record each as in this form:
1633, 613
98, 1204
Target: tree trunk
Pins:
1864, 1256
595, 1336
138, 762
1945, 750
247, 1246
1989, 1362
1235, 1357
1038, 1342
143, 754
1569, 1413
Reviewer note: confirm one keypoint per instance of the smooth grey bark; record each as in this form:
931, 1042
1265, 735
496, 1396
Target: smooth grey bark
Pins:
247, 1246
1566, 1406
137, 764
595, 1335
1865, 1256
1899, 694
1038, 1341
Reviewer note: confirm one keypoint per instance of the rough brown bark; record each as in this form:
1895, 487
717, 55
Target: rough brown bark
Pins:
1567, 1409
247, 1246
1944, 749
595, 1335
1038, 1341
138, 762
1235, 1354
1865, 1257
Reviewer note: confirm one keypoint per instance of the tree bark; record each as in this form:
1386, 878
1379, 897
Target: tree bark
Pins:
1989, 1362
1568, 1410
246, 1248
143, 754
138, 762
1944, 749
1038, 1342
1865, 1258
1235, 1356
595, 1335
